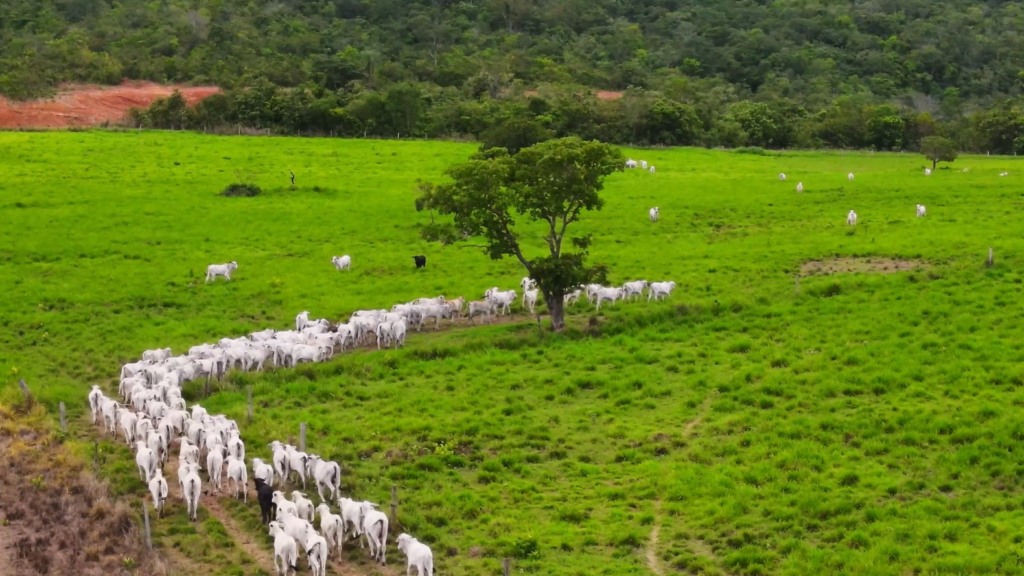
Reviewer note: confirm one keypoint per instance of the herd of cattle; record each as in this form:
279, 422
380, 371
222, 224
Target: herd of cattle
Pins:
151, 416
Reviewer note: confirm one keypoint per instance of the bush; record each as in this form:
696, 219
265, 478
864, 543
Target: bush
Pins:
238, 189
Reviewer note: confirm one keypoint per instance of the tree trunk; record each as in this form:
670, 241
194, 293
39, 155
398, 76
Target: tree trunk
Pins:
935, 162
556, 307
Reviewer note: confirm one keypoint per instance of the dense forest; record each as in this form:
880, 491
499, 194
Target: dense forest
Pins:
876, 74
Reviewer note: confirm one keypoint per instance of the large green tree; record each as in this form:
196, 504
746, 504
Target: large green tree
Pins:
938, 149
553, 182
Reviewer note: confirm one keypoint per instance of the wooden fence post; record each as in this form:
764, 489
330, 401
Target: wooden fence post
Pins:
394, 505
63, 420
506, 566
302, 436
991, 258
248, 412
145, 518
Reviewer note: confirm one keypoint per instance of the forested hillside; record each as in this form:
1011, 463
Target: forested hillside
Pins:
877, 74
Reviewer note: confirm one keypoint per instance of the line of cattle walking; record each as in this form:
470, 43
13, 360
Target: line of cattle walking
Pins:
151, 416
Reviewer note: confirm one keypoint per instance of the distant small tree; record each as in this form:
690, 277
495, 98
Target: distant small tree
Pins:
938, 149
552, 182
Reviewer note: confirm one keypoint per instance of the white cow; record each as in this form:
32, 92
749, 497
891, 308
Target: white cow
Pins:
799, 187
782, 177
928, 172
635, 288
653, 214
478, 307
213, 271
530, 299
851, 218
659, 290
610, 294
528, 283
192, 488
850, 176
920, 210
326, 474
503, 300
651, 168
158, 489
631, 163
375, 530
417, 554
643, 164
342, 262
284, 550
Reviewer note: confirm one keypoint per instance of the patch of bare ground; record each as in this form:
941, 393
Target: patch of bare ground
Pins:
860, 265
55, 516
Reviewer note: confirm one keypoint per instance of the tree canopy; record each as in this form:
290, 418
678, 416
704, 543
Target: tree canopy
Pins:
552, 182
938, 149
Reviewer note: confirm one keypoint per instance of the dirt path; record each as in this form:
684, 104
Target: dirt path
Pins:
697, 545
259, 551
691, 427
651, 553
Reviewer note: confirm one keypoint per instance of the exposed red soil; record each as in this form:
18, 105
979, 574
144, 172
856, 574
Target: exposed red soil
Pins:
608, 94
601, 94
83, 106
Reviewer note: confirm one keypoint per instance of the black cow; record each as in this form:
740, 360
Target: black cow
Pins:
265, 494
421, 261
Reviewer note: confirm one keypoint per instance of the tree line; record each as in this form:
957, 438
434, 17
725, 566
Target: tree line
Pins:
874, 74
639, 117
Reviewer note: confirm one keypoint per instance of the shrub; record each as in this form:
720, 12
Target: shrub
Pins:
240, 189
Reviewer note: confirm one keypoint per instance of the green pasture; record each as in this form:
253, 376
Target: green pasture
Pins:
759, 421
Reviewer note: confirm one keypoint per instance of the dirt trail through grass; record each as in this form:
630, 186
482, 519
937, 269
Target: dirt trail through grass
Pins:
697, 545
260, 552
651, 553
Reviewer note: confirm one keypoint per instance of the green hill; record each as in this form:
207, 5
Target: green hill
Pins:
831, 74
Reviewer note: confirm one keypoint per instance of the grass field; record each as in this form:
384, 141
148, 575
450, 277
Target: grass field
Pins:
758, 422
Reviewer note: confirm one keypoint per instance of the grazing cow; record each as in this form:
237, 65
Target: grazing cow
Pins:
342, 262
421, 261
631, 163
652, 168
850, 176
928, 172
213, 271
920, 210
782, 177
799, 187
643, 164
851, 218
653, 214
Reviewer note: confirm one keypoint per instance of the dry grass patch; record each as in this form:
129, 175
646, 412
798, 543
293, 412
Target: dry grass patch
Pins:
871, 265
